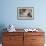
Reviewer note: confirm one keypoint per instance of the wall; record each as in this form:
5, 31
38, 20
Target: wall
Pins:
9, 13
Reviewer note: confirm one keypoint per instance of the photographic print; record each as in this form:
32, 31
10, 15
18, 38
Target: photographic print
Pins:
25, 13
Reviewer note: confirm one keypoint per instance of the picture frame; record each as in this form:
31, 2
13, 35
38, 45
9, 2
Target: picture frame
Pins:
25, 13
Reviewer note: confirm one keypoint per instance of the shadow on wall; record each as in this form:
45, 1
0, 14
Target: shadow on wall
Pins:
2, 26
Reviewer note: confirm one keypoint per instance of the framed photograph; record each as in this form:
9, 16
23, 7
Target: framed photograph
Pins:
25, 13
